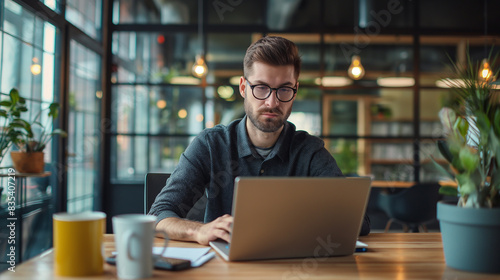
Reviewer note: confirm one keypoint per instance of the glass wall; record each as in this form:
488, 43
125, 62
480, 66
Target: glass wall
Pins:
382, 125
86, 15
29, 60
84, 128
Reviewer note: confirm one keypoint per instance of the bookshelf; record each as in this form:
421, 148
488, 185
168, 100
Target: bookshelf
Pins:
385, 144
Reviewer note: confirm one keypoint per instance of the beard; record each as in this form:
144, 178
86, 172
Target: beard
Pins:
267, 124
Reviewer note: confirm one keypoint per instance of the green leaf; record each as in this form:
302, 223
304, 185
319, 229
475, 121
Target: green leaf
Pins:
442, 170
59, 132
469, 159
53, 110
14, 95
465, 184
447, 190
5, 103
445, 151
495, 178
462, 126
496, 122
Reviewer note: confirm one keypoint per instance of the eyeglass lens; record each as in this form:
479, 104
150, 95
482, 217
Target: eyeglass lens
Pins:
263, 91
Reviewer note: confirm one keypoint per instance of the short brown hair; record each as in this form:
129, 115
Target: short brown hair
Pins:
272, 50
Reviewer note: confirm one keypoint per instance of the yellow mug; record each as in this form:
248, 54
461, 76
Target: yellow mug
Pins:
78, 243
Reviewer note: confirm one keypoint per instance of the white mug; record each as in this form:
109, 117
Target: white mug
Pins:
134, 235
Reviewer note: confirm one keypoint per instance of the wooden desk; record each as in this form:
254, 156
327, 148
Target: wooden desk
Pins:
392, 184
390, 256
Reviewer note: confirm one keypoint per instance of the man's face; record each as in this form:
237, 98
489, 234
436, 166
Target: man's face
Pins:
270, 114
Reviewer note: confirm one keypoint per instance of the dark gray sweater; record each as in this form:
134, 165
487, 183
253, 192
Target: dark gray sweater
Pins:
220, 154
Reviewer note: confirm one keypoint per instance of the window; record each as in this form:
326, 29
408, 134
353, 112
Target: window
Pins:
86, 15
84, 126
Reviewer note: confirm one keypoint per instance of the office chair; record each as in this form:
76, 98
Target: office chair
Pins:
412, 207
154, 183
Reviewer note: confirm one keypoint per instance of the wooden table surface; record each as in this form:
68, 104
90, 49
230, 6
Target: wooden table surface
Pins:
390, 256
392, 184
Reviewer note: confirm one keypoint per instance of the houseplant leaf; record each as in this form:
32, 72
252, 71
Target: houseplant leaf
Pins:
442, 170
448, 190
445, 151
469, 159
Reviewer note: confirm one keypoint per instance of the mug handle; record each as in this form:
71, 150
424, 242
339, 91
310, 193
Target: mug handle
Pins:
165, 244
127, 236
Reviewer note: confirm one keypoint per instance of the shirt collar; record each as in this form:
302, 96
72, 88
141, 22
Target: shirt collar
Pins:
279, 149
243, 140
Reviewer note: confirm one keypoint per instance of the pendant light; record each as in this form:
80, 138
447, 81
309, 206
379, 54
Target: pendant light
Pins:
35, 67
485, 73
200, 68
356, 71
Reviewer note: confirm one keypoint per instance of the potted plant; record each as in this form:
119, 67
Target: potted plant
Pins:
471, 228
10, 113
31, 138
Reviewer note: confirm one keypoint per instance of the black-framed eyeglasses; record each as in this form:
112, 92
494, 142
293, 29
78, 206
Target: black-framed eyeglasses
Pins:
262, 92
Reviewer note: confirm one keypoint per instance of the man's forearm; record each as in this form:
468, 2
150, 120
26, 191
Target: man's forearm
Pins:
179, 229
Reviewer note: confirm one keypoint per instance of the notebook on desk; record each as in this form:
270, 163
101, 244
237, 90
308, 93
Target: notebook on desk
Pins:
295, 217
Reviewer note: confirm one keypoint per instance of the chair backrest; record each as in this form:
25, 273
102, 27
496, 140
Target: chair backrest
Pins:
413, 205
153, 183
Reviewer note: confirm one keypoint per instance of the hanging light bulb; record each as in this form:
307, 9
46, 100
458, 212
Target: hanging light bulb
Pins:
356, 70
485, 73
200, 67
35, 67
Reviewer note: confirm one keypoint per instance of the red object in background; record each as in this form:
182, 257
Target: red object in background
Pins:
160, 39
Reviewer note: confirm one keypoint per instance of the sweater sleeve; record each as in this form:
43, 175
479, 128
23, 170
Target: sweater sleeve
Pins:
185, 185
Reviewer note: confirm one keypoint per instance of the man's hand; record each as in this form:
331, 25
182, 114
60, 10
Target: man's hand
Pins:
218, 228
185, 230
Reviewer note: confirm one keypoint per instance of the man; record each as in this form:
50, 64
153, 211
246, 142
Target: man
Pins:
263, 143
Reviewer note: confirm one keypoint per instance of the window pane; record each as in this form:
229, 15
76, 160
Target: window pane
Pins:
10, 66
133, 11
86, 15
453, 18
84, 127
237, 12
225, 53
156, 58
24, 65
18, 21
224, 104
306, 110
127, 158
55, 5
167, 109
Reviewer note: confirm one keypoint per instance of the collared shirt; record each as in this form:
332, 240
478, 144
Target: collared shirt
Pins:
218, 155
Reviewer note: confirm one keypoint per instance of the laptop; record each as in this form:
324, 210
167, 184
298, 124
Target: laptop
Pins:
295, 217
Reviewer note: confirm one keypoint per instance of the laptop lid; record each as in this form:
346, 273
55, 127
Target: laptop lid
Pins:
293, 217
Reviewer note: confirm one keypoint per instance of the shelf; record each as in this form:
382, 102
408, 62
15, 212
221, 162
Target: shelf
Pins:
400, 161
394, 139
403, 120
391, 161
26, 175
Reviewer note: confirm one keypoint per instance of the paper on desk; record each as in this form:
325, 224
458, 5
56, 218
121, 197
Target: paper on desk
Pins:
197, 256
360, 244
